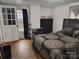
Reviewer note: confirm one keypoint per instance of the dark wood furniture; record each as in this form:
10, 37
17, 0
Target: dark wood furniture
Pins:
37, 31
72, 23
47, 25
6, 52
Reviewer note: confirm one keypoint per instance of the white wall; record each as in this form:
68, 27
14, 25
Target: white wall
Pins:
36, 12
46, 12
72, 15
61, 12
35, 16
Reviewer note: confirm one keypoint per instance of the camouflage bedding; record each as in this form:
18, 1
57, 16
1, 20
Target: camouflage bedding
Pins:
56, 46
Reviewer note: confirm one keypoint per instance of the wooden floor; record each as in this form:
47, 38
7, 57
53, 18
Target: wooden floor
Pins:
23, 50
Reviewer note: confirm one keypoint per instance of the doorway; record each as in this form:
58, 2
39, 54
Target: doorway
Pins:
25, 23
22, 16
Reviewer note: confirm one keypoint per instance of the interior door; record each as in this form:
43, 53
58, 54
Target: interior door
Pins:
25, 23
9, 23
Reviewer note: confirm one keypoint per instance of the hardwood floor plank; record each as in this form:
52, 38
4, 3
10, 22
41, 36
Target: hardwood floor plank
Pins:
23, 50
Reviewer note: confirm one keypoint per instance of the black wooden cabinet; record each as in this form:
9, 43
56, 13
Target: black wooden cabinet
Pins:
72, 23
46, 25
5, 52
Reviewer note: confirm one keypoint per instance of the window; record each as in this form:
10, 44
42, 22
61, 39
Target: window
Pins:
9, 16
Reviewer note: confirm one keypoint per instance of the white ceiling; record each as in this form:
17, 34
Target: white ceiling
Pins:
47, 3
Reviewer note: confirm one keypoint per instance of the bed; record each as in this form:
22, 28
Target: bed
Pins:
61, 45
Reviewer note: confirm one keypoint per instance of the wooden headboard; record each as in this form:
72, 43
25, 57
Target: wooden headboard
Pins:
72, 23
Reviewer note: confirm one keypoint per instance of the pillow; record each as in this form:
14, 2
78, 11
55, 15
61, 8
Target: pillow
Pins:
68, 39
60, 34
52, 37
76, 33
39, 40
68, 31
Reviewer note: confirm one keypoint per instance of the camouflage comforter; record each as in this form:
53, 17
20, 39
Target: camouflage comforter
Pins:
56, 46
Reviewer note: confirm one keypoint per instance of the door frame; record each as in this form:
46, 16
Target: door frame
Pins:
28, 12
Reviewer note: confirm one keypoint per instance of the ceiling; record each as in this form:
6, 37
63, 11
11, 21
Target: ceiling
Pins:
47, 3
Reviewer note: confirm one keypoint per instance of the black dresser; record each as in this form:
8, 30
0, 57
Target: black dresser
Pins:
46, 25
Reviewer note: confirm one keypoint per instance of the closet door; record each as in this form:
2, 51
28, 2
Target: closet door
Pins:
9, 23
